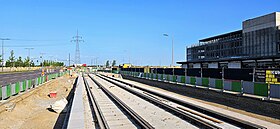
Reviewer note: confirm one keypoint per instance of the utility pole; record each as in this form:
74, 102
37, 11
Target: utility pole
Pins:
77, 39
172, 63
42, 54
29, 57
69, 59
3, 51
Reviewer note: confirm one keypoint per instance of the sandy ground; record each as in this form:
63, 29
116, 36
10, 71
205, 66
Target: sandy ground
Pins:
32, 112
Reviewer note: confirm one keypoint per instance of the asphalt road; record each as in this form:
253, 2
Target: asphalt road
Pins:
15, 77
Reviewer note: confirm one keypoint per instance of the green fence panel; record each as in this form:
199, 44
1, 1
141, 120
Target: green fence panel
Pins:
24, 85
205, 82
0, 92
29, 84
174, 78
193, 80
261, 89
17, 87
219, 83
157, 76
38, 81
183, 79
161, 76
236, 86
167, 78
8, 91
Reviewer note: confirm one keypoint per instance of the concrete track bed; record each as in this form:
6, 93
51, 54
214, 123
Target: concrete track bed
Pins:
252, 107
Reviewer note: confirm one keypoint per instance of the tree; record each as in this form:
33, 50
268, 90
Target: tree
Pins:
32, 64
51, 63
114, 63
11, 60
19, 62
26, 62
1, 59
107, 64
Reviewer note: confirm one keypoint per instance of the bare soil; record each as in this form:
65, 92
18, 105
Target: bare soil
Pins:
31, 110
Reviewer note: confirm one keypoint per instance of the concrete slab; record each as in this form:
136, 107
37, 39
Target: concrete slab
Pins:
76, 119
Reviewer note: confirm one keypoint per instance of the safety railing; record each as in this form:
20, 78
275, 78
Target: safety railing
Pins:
21, 86
241, 87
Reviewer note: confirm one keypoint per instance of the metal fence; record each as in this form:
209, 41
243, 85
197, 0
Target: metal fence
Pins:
237, 86
14, 89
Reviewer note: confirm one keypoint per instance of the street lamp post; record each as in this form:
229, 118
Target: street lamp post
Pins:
42, 54
172, 63
3, 51
29, 57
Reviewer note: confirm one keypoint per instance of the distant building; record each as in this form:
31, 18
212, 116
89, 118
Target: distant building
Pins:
256, 45
126, 65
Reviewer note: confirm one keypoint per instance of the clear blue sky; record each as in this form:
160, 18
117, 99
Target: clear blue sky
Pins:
124, 30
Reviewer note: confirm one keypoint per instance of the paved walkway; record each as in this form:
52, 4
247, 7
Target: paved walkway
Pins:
76, 119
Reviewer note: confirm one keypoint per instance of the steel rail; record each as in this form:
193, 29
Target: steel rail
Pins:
223, 117
138, 119
190, 118
96, 109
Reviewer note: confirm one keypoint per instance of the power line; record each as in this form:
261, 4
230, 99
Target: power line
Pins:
36, 45
35, 40
77, 39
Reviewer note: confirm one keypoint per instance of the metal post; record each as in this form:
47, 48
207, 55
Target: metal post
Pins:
242, 88
69, 59
254, 72
223, 77
172, 64
3, 52
29, 57
268, 94
201, 73
42, 62
172, 52
2, 55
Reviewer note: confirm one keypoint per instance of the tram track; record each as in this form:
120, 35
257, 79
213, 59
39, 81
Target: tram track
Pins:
200, 123
187, 107
107, 104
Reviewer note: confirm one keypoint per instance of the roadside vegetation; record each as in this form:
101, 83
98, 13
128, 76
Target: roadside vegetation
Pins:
26, 62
